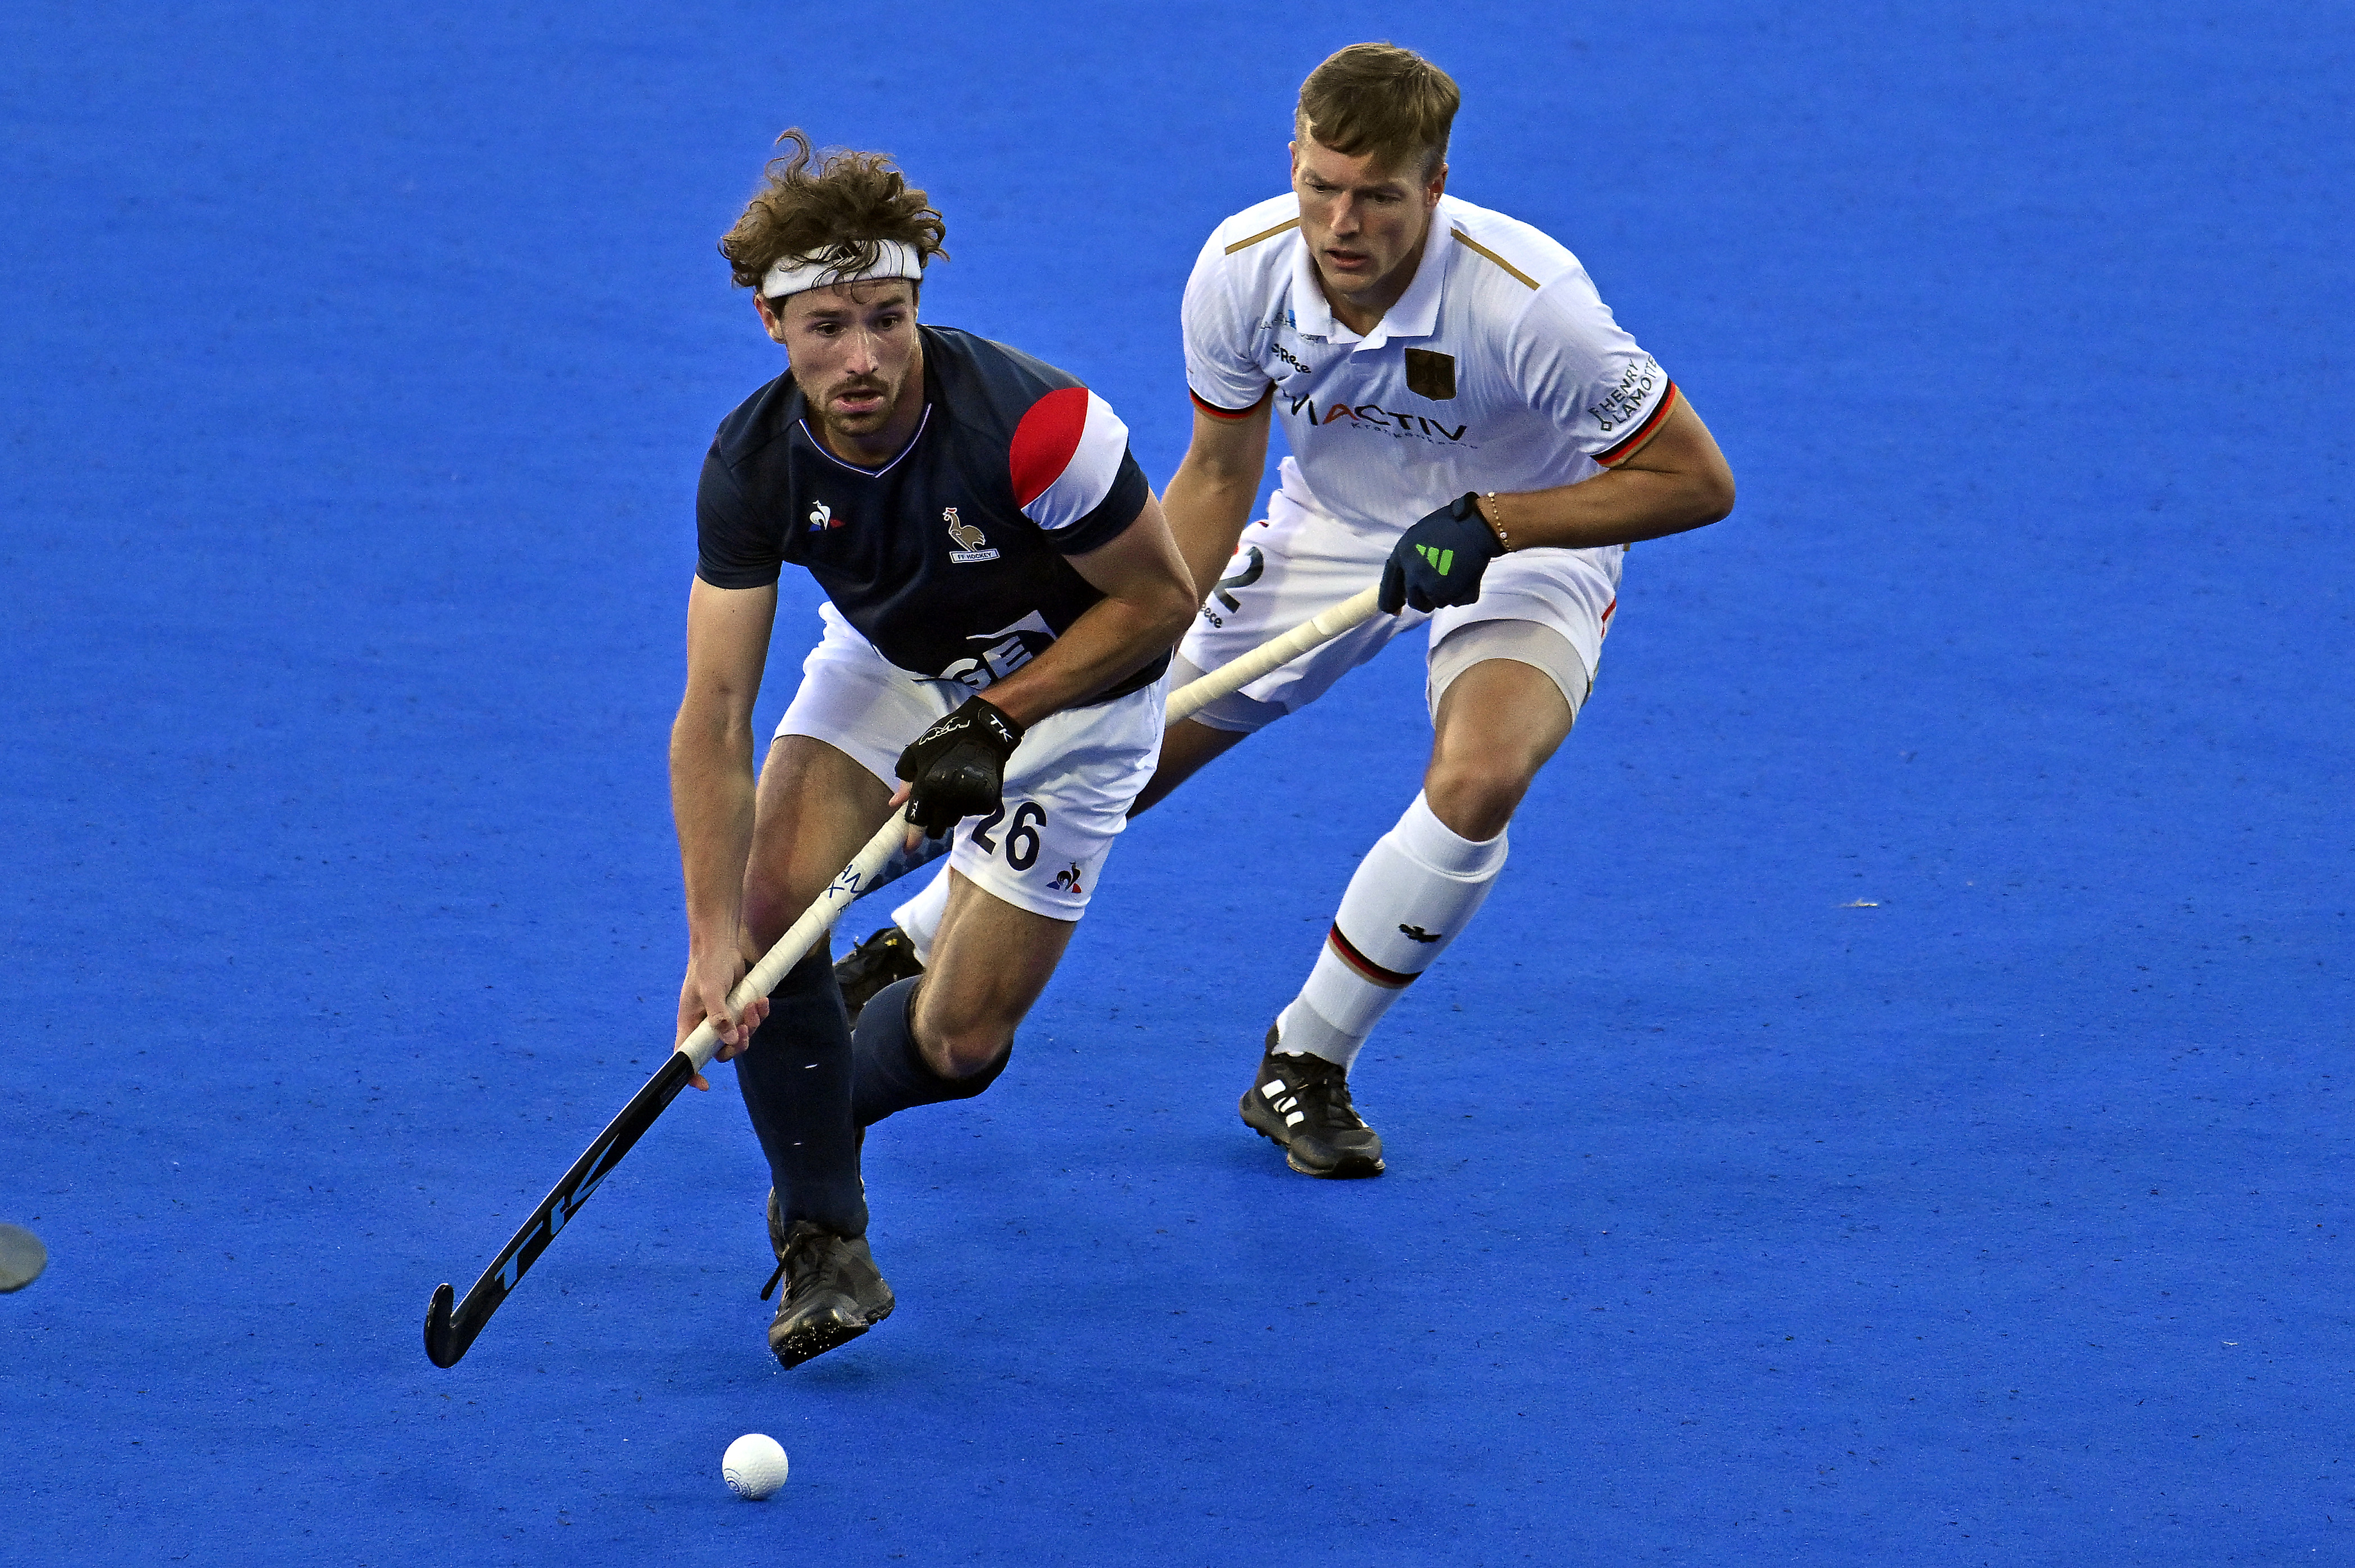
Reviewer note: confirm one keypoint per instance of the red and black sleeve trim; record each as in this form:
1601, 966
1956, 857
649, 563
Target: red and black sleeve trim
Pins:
1217, 413
1627, 446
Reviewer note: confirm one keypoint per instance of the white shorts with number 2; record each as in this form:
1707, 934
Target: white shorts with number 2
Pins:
1299, 562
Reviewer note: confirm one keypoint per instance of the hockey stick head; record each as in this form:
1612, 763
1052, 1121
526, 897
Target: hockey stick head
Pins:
442, 1343
448, 1330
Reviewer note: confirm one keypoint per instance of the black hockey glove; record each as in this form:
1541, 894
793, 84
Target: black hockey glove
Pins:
958, 767
1438, 562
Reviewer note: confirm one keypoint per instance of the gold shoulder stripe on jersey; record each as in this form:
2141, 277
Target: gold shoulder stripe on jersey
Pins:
1478, 248
1269, 234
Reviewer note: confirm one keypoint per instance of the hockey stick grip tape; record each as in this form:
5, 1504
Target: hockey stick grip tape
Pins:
801, 935
1195, 696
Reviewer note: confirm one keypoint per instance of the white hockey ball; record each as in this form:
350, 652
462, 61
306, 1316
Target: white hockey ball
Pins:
753, 1467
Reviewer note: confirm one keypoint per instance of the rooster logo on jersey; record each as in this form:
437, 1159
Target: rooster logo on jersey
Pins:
972, 543
822, 517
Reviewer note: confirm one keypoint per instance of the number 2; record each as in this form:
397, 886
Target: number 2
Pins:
1242, 577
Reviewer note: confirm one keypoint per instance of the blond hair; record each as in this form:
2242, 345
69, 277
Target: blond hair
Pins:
1382, 100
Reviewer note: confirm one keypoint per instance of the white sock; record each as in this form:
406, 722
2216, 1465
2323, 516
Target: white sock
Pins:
1413, 893
920, 918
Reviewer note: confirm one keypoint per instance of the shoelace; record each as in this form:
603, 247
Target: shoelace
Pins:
798, 1243
1326, 1088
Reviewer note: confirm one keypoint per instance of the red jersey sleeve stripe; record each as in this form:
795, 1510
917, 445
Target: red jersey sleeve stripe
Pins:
1044, 442
1624, 447
1065, 456
1217, 413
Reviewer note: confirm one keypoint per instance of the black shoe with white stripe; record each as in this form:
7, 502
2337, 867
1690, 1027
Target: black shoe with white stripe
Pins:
1302, 1102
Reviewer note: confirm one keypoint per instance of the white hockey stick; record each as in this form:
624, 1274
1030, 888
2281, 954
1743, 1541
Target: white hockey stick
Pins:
1190, 699
1195, 696
861, 873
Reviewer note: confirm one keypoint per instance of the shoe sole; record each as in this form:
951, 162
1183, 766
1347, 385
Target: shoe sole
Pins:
1348, 1167
819, 1338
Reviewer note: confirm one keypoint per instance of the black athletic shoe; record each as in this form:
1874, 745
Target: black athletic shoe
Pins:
885, 957
834, 1293
1302, 1102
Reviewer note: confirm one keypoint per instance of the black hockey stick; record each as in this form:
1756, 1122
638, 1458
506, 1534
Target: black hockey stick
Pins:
448, 1332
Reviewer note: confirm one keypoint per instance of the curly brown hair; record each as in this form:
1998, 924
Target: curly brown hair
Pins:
839, 210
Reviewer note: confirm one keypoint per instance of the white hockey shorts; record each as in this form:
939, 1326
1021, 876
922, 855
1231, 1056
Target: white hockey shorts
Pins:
1550, 608
1068, 786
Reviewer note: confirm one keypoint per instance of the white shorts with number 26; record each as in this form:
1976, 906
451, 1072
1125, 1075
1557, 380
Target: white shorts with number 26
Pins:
1068, 785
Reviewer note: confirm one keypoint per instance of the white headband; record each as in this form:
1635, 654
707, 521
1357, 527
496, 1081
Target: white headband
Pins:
793, 274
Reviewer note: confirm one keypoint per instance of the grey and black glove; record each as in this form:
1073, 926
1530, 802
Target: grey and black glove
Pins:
958, 767
1438, 562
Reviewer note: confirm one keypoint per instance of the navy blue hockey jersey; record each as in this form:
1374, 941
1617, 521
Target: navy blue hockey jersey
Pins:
950, 558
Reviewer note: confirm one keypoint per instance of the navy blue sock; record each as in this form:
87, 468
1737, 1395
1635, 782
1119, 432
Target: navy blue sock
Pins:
796, 1084
889, 1074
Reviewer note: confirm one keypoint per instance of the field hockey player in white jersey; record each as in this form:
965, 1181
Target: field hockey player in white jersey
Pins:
1468, 424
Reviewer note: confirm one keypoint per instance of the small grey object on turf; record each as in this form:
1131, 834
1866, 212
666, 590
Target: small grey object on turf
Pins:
22, 1258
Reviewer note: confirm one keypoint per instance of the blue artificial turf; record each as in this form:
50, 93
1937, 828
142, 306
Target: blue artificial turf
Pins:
1892, 1112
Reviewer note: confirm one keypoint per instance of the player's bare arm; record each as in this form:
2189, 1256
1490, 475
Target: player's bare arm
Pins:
712, 795
1674, 481
1148, 599
1210, 497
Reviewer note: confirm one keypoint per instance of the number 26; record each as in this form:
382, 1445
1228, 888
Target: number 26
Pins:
1021, 839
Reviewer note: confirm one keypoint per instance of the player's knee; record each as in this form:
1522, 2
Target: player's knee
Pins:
773, 900
964, 1053
767, 913
1476, 796
958, 1043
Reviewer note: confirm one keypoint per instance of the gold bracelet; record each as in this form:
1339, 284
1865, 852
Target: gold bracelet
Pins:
1495, 526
